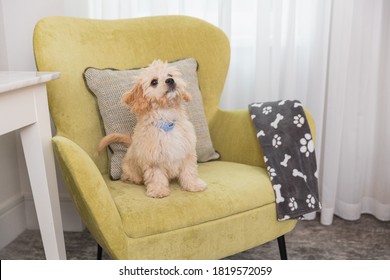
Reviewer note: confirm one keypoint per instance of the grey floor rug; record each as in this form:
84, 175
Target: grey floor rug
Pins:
367, 238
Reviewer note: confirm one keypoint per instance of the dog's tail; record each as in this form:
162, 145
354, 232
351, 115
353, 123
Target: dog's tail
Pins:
114, 138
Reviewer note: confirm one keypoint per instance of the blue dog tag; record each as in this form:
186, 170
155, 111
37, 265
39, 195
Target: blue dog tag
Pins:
166, 126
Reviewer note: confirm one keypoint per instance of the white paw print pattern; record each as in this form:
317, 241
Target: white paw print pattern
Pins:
293, 204
267, 110
311, 201
271, 172
299, 120
307, 145
276, 142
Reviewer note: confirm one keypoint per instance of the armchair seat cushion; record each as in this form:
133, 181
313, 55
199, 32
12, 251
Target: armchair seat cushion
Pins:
233, 188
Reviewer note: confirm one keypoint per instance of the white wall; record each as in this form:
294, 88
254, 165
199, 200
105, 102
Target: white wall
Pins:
3, 50
17, 21
19, 18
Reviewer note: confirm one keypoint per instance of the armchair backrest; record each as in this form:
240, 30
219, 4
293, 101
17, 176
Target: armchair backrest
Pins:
70, 45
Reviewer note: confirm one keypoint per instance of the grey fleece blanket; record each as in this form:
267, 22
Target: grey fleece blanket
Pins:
286, 141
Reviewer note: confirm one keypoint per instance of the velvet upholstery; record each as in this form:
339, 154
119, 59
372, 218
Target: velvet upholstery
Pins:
235, 213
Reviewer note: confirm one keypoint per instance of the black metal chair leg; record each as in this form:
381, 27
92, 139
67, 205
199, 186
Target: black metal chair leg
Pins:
99, 252
282, 248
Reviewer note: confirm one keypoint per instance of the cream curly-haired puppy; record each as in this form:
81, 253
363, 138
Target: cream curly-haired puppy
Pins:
163, 144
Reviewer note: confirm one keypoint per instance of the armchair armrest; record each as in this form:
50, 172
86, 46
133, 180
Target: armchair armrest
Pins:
90, 195
234, 136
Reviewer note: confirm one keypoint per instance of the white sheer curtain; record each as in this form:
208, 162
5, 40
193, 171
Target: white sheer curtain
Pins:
355, 162
332, 55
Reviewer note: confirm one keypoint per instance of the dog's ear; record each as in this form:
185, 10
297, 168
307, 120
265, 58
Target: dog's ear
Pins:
185, 96
135, 99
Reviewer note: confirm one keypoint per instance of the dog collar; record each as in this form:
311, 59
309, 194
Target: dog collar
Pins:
166, 126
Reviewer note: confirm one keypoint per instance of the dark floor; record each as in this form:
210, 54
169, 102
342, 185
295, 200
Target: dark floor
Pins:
367, 238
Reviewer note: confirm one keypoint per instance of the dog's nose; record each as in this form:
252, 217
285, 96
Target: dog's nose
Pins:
170, 81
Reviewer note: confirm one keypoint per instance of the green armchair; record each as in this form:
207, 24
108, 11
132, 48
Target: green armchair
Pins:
237, 211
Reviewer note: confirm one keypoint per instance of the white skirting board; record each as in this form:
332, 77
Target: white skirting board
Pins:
18, 214
12, 219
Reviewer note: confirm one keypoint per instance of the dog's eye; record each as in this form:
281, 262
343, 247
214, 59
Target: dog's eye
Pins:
154, 82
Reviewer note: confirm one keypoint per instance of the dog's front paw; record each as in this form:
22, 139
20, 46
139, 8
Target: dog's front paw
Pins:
157, 191
197, 186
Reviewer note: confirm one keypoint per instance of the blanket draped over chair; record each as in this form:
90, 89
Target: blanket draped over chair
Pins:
285, 138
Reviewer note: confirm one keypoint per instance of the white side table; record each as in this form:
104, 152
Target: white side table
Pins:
24, 107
